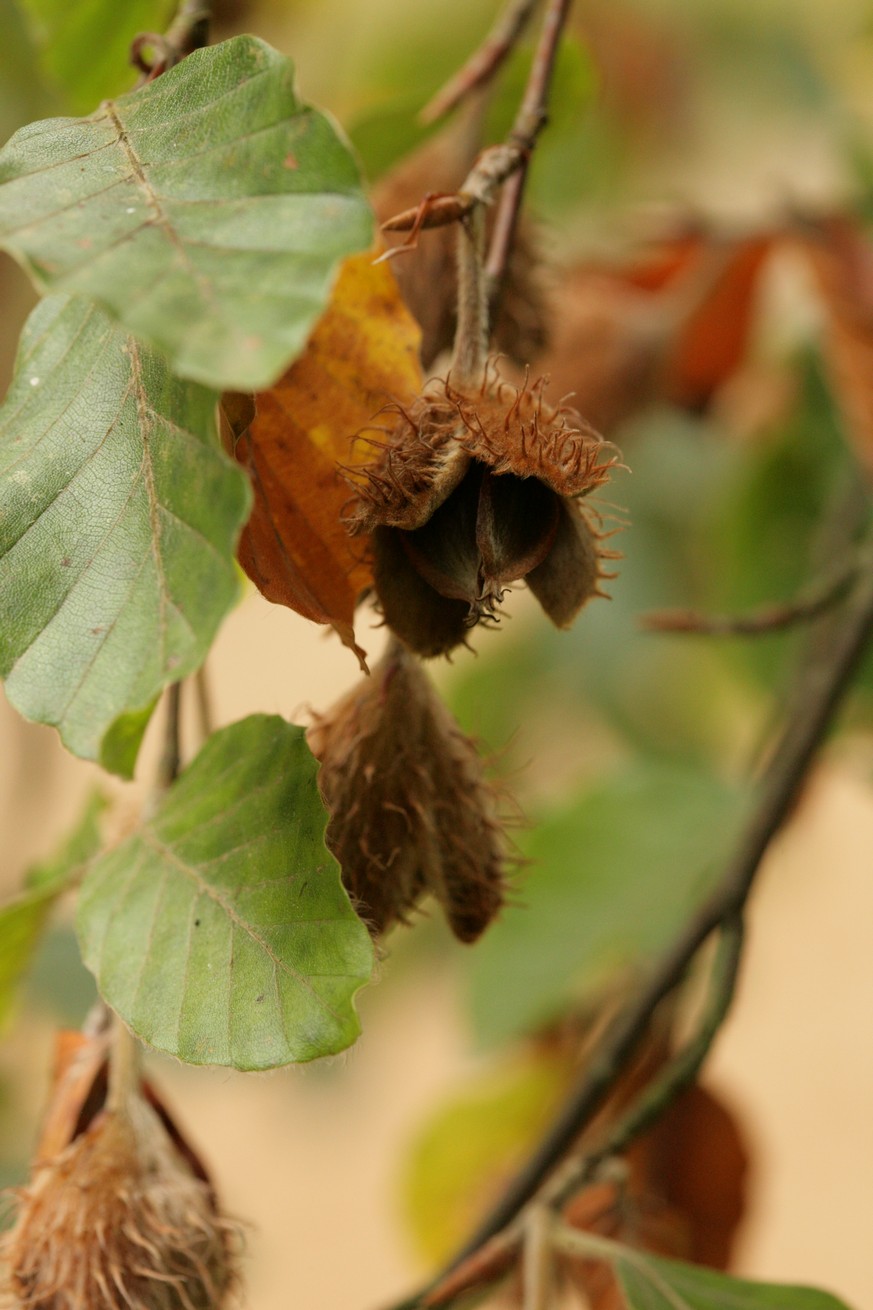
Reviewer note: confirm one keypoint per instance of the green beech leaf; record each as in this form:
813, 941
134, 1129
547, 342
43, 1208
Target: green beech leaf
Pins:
84, 47
610, 878
652, 1283
22, 921
221, 932
207, 211
118, 524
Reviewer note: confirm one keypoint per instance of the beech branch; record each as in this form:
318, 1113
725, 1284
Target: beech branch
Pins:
153, 53
485, 63
826, 674
499, 162
493, 1260
758, 622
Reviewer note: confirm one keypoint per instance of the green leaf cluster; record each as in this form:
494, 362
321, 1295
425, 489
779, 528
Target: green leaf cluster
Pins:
194, 227
188, 233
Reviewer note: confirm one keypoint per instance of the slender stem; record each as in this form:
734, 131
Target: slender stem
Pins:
769, 618
169, 763
492, 1261
675, 1077
538, 1273
497, 163
529, 123
125, 1061
203, 695
827, 675
189, 30
485, 63
153, 53
471, 334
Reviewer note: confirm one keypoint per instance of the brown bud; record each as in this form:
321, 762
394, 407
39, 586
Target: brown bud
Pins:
470, 492
411, 812
121, 1218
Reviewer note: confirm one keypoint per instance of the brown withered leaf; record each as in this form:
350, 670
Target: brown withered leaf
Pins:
841, 258
671, 325
295, 439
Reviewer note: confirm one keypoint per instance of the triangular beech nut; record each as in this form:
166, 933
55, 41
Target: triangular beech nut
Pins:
444, 550
515, 528
428, 623
570, 574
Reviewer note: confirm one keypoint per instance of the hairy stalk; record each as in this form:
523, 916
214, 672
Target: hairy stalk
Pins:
125, 1063
826, 676
471, 335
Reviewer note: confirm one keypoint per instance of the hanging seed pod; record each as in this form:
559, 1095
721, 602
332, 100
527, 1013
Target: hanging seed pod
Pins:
121, 1215
470, 492
411, 812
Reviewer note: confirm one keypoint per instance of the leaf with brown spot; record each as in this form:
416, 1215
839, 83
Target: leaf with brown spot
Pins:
363, 353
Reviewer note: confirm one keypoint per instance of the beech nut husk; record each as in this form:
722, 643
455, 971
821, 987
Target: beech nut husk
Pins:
121, 1218
470, 492
411, 810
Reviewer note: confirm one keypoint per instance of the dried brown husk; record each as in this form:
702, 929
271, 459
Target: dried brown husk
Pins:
411, 810
471, 491
122, 1217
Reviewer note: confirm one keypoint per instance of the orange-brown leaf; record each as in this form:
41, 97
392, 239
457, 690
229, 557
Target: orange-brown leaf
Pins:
363, 352
711, 339
673, 325
841, 257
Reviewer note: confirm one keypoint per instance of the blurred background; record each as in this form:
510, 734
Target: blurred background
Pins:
628, 752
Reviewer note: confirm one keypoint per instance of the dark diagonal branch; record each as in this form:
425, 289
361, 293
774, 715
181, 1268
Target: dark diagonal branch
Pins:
497, 163
826, 676
529, 123
485, 63
769, 618
492, 1261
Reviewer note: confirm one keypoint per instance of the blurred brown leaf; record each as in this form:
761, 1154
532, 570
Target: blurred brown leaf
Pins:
673, 325
684, 1194
841, 258
295, 438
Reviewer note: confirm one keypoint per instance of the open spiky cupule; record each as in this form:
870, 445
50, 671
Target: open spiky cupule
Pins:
473, 489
